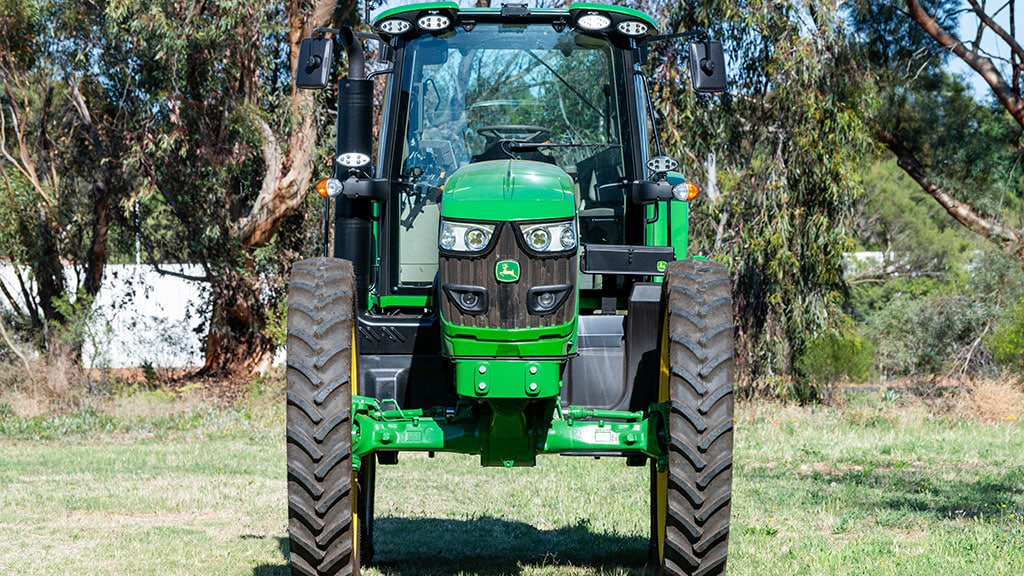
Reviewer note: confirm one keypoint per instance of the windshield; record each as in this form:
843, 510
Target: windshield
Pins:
473, 90
468, 95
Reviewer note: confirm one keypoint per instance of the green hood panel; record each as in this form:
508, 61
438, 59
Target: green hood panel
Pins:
508, 190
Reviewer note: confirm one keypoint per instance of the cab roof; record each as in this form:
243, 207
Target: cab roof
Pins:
589, 17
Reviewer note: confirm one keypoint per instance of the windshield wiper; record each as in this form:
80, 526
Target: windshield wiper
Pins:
563, 81
510, 147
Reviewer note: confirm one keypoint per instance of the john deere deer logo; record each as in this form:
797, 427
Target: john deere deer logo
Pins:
507, 271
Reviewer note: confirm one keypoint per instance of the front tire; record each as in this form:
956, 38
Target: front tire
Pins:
691, 501
321, 502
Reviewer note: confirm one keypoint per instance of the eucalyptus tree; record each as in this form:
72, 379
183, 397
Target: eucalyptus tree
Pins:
777, 158
175, 121
229, 148
61, 145
963, 154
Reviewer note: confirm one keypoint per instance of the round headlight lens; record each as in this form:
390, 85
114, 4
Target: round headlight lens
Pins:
447, 239
546, 299
557, 236
476, 239
567, 237
470, 299
539, 239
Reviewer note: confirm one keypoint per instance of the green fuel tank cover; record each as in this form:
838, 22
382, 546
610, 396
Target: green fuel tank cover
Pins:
508, 190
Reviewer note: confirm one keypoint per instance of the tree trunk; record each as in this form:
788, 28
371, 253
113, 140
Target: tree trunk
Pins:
236, 342
288, 175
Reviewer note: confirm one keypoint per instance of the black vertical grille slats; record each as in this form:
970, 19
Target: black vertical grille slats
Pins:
508, 302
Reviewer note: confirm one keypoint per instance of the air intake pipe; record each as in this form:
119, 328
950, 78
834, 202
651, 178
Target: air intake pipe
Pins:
352, 217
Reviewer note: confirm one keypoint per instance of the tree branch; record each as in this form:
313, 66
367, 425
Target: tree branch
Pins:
1010, 99
1009, 240
979, 10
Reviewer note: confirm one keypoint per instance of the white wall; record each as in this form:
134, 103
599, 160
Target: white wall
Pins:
141, 316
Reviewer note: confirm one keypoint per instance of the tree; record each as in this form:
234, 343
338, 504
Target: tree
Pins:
777, 157
175, 120
230, 147
951, 146
61, 141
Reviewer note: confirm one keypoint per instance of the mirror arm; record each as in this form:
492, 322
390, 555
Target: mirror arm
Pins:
352, 42
696, 34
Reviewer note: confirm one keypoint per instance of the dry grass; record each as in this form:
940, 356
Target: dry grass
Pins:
992, 401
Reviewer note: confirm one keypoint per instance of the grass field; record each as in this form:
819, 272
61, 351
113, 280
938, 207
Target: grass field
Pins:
153, 485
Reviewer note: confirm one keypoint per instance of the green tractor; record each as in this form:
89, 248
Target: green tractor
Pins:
509, 274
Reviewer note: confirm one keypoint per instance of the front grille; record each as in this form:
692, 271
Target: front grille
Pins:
508, 301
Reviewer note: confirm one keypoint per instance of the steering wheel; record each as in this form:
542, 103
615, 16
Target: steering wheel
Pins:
516, 132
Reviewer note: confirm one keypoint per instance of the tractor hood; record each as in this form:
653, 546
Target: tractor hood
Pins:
508, 190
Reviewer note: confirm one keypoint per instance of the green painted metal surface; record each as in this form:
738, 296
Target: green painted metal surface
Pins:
630, 12
513, 432
505, 378
469, 341
508, 190
390, 13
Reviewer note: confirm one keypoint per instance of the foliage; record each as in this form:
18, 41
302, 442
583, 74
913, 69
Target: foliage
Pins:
915, 237
965, 154
778, 155
158, 123
1007, 341
61, 177
940, 324
836, 358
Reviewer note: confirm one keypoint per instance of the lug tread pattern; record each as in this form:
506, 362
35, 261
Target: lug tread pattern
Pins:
319, 406
700, 337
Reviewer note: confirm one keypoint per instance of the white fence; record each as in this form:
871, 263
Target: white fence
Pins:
141, 317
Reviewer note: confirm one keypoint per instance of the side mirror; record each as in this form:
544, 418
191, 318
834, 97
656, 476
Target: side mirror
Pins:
707, 66
314, 67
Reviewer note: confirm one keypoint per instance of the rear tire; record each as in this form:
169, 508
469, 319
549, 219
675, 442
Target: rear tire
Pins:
693, 499
321, 501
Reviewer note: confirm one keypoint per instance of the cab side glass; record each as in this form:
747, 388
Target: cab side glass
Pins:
707, 66
314, 66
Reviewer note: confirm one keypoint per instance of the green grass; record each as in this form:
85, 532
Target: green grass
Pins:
190, 489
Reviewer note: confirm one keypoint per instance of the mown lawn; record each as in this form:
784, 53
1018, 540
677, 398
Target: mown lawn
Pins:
873, 488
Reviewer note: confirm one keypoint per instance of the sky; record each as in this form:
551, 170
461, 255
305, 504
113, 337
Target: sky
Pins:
995, 49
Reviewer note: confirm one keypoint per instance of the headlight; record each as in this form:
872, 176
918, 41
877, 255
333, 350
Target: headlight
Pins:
434, 22
593, 21
550, 236
394, 27
632, 28
464, 236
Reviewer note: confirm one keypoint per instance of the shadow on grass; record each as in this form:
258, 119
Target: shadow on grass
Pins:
274, 569
988, 495
490, 547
